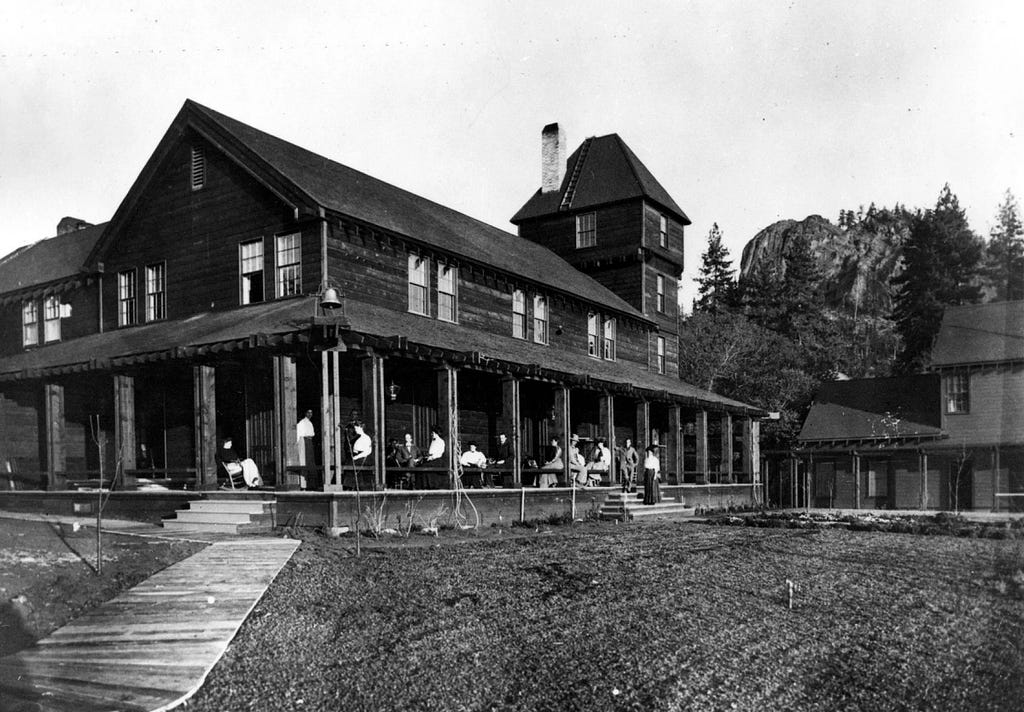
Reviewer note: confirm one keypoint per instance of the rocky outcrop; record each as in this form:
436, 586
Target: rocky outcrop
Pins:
857, 262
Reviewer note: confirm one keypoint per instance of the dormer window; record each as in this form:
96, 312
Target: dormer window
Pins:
586, 230
198, 172
29, 323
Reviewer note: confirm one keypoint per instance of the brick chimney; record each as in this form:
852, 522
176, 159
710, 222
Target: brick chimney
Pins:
552, 158
69, 224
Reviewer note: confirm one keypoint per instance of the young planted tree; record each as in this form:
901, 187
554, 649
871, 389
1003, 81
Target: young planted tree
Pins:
941, 266
1004, 257
717, 288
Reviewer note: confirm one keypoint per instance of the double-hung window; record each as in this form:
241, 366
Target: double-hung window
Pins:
609, 339
519, 314
419, 268
250, 268
156, 292
127, 313
447, 284
586, 230
958, 393
592, 336
660, 354
540, 319
29, 323
51, 318
289, 264
663, 231
661, 293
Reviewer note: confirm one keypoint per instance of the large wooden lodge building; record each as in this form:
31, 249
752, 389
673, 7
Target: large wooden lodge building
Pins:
203, 309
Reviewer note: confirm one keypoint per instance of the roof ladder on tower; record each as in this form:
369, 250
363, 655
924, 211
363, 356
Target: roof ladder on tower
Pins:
570, 190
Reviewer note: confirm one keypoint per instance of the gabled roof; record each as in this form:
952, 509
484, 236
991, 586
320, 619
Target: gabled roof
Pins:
980, 333
875, 409
610, 172
305, 179
49, 260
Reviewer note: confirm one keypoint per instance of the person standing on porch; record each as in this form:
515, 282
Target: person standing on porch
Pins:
628, 460
304, 434
652, 476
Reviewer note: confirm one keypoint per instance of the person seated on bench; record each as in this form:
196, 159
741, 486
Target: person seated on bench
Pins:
240, 472
476, 461
552, 465
600, 463
577, 464
362, 446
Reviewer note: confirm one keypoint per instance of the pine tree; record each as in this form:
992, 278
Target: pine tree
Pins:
717, 289
941, 264
1004, 257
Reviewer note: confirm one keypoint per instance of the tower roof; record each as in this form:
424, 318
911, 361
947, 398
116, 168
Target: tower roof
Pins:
609, 172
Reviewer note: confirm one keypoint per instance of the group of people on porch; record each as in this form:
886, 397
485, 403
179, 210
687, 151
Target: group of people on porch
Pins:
478, 468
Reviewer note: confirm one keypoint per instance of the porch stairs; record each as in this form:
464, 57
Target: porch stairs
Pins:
227, 516
629, 507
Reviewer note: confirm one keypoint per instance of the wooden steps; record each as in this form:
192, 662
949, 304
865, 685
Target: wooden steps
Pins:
628, 507
229, 516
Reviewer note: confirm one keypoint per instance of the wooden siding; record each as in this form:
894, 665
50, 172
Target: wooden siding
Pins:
619, 229
673, 251
996, 409
21, 422
197, 233
377, 272
84, 319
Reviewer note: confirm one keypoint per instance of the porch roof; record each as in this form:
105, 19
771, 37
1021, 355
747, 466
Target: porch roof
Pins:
363, 324
209, 332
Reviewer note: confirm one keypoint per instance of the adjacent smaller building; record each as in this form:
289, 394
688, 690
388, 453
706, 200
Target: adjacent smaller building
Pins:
949, 439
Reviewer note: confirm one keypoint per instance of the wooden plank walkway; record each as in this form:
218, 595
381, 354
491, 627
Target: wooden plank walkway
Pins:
153, 646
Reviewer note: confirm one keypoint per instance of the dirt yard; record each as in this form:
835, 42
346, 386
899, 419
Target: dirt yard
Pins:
48, 574
640, 617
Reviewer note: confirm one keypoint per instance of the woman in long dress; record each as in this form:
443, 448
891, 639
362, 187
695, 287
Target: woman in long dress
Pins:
552, 465
652, 476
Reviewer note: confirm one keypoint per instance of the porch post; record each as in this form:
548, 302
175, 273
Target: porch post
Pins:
329, 434
607, 429
510, 424
856, 480
752, 448
563, 426
922, 460
286, 409
56, 452
995, 478
643, 424
124, 428
675, 440
701, 431
204, 397
448, 415
726, 446
373, 412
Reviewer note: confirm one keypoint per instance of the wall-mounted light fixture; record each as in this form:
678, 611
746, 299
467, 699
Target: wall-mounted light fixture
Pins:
393, 391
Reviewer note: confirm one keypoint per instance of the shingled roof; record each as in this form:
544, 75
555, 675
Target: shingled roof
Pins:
980, 333
49, 260
349, 192
610, 173
875, 409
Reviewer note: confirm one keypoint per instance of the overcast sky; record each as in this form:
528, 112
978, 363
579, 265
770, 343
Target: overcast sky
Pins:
747, 113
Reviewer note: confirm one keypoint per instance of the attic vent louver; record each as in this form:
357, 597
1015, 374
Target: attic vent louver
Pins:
198, 167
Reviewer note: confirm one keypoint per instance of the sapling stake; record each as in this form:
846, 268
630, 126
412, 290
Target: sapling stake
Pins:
790, 586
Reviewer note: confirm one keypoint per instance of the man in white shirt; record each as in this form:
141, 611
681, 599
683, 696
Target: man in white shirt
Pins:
304, 434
